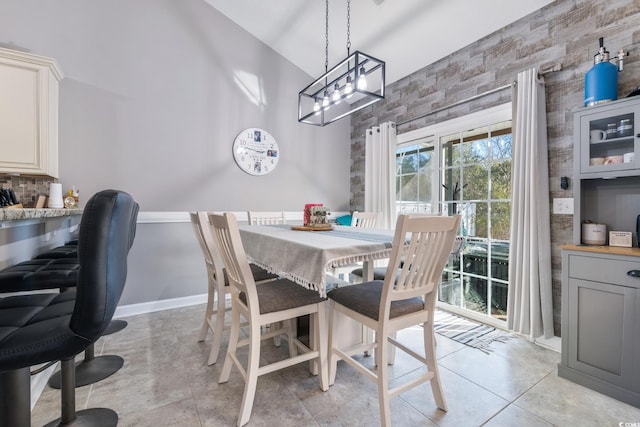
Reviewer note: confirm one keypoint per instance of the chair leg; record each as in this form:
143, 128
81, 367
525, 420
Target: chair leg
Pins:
292, 332
218, 331
208, 313
333, 358
251, 383
15, 401
392, 351
68, 391
319, 320
101, 417
277, 340
430, 355
234, 335
381, 354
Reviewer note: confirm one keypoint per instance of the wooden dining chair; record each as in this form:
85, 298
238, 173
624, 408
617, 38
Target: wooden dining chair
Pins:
364, 219
392, 305
216, 289
276, 302
266, 218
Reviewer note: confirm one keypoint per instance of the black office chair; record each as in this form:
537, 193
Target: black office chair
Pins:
41, 328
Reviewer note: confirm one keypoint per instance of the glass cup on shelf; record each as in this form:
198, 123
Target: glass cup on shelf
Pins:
625, 128
612, 130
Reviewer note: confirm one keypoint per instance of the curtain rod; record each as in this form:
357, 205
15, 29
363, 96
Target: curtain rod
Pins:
555, 67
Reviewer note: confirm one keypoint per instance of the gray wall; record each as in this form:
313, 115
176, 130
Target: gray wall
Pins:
565, 31
154, 93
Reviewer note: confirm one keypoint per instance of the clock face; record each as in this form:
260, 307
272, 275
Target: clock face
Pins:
255, 151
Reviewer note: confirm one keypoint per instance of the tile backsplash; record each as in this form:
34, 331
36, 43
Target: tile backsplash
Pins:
27, 188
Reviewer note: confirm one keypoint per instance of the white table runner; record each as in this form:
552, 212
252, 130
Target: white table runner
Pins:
304, 256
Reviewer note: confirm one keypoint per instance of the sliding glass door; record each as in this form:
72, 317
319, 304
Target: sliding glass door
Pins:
464, 167
476, 183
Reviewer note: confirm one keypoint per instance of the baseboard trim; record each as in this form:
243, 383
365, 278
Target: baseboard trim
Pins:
159, 305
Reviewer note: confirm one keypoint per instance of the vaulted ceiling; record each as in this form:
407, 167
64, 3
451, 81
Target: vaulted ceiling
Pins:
406, 34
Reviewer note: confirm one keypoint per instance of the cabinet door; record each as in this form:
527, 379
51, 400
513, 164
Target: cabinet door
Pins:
601, 330
20, 143
636, 356
607, 139
28, 114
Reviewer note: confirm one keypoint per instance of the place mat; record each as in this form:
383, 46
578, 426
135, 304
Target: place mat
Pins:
468, 332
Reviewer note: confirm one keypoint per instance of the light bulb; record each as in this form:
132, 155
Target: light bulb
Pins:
362, 80
316, 105
348, 87
325, 100
336, 97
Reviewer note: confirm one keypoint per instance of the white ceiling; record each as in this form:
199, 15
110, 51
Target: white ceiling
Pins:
406, 34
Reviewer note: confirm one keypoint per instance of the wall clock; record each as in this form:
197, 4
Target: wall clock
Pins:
255, 151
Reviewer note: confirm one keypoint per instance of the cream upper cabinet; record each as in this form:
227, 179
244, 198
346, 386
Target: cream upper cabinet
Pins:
28, 113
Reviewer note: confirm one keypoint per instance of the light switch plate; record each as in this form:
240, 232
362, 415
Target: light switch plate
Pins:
563, 206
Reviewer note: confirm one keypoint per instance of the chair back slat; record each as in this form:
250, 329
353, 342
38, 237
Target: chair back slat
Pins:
212, 259
424, 244
200, 237
266, 218
364, 219
227, 237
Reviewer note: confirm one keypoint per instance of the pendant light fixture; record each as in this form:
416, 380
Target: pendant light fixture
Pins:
353, 84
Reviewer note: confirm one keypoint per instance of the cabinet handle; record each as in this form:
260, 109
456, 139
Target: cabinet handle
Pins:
633, 273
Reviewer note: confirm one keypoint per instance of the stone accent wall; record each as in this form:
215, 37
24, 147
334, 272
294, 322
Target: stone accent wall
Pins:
27, 188
566, 32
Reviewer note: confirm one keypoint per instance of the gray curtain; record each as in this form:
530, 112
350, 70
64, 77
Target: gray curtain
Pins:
530, 309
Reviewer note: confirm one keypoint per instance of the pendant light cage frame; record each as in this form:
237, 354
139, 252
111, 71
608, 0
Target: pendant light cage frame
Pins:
355, 83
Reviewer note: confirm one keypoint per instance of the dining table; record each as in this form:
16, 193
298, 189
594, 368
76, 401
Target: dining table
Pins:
305, 256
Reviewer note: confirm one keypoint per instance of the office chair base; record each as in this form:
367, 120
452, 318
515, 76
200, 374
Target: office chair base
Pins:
91, 371
94, 417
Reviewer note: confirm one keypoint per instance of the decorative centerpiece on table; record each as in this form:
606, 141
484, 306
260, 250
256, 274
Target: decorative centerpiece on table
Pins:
316, 218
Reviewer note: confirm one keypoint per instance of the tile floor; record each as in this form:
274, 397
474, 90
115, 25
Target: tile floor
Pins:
165, 382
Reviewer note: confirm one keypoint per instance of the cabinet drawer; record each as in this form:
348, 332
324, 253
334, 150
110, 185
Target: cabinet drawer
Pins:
606, 270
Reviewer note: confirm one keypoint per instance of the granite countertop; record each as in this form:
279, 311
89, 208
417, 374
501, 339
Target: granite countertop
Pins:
9, 214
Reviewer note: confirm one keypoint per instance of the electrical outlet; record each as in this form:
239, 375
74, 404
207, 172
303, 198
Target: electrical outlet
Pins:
563, 206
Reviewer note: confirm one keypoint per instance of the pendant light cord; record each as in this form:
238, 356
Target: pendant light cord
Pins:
348, 27
326, 37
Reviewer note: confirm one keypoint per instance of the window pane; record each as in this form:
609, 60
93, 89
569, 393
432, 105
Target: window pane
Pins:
451, 150
451, 183
474, 219
499, 300
500, 220
409, 188
476, 182
476, 151
501, 147
450, 289
475, 294
415, 169
500, 261
501, 180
